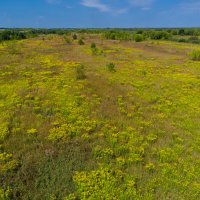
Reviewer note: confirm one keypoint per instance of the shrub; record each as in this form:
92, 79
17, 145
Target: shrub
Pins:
80, 42
74, 36
139, 38
80, 72
111, 67
195, 55
94, 49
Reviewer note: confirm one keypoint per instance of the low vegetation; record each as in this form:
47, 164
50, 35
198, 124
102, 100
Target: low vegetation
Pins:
195, 55
111, 67
115, 118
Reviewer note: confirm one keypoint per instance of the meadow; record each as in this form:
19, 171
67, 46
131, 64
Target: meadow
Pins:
84, 118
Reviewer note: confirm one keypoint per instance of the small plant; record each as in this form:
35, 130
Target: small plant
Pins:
74, 36
195, 55
80, 72
80, 42
111, 67
94, 49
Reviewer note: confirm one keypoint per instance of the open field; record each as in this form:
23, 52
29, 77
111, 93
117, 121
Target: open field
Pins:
74, 126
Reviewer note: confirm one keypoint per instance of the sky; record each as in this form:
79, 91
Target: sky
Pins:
99, 13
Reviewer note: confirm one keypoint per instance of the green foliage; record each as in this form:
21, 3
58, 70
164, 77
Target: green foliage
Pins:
195, 55
12, 35
111, 67
158, 35
118, 35
5, 194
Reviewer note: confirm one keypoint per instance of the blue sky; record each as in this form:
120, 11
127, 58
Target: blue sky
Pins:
99, 13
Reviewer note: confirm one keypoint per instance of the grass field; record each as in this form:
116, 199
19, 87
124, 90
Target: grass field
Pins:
117, 121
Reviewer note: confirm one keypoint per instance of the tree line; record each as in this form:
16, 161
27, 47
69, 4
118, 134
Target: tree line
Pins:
138, 35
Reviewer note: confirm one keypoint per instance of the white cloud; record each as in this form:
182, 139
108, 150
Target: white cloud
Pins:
112, 9
96, 4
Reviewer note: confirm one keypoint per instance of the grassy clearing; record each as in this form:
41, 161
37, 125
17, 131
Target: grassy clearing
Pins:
71, 129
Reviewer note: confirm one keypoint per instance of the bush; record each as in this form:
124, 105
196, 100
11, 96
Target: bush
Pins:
139, 38
80, 42
80, 72
74, 36
94, 49
111, 67
195, 55
158, 35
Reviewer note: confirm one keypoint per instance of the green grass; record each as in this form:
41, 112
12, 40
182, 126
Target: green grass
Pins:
74, 132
